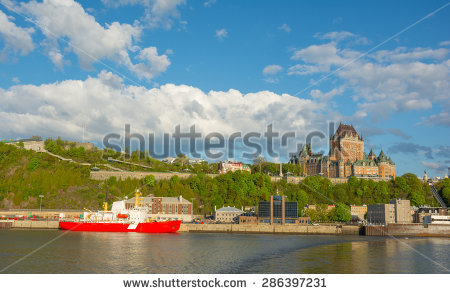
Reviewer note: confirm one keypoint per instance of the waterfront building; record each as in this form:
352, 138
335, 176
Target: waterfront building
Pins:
247, 219
229, 166
304, 220
397, 211
278, 210
165, 208
421, 212
346, 158
228, 214
358, 211
436, 219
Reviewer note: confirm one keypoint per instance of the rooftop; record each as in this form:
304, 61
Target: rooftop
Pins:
229, 209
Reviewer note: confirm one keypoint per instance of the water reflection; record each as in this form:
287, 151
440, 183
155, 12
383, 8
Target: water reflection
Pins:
90, 252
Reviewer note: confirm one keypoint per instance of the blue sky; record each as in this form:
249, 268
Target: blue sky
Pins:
229, 66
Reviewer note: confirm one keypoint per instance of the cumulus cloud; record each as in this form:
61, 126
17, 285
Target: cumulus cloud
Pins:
272, 69
15, 38
66, 21
221, 34
384, 81
152, 64
105, 104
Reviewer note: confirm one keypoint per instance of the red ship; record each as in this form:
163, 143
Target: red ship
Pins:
120, 219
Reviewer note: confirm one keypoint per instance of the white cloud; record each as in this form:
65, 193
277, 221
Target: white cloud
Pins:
157, 12
442, 118
318, 94
285, 28
209, 3
385, 81
15, 38
402, 54
322, 56
105, 104
221, 34
343, 35
302, 69
16, 80
431, 165
56, 57
90, 41
152, 64
272, 69
444, 43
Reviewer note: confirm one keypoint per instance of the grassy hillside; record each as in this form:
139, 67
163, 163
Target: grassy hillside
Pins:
24, 175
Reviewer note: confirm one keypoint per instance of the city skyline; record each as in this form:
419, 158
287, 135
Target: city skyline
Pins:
85, 69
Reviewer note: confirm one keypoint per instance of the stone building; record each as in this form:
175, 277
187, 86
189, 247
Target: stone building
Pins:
346, 158
358, 211
228, 214
397, 211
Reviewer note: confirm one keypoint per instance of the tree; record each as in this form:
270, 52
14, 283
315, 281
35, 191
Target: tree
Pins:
258, 161
149, 181
341, 213
417, 198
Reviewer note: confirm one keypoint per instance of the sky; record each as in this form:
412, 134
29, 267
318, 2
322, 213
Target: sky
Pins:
84, 69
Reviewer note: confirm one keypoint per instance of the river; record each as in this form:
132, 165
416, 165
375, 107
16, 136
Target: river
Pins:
217, 253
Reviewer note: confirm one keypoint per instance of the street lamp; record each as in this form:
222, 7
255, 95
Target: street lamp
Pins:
40, 203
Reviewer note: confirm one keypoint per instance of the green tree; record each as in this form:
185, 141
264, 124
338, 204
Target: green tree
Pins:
341, 213
417, 198
149, 181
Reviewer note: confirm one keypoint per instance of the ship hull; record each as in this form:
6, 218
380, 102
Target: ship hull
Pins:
151, 227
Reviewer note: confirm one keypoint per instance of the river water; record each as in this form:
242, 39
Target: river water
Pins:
187, 253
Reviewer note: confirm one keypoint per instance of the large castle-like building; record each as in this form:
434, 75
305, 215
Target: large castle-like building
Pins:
346, 158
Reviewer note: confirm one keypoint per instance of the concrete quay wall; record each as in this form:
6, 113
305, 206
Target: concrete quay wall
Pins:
41, 214
432, 230
276, 229
28, 224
